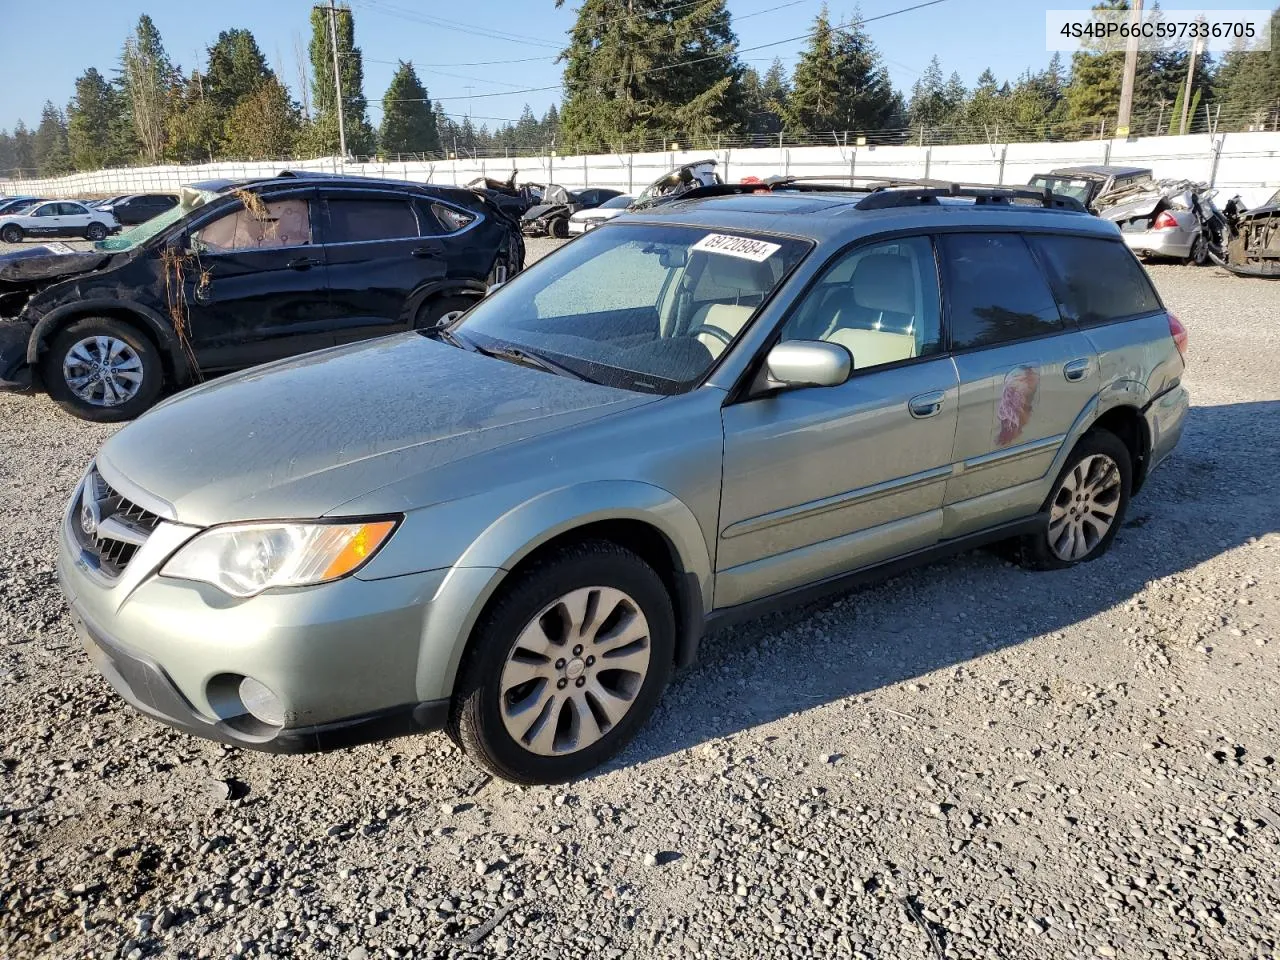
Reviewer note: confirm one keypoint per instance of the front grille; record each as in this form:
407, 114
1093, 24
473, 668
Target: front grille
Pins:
109, 528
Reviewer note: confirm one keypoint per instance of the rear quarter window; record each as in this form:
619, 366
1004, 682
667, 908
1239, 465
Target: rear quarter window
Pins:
1095, 280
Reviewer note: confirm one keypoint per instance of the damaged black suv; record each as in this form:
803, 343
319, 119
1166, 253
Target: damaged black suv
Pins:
239, 274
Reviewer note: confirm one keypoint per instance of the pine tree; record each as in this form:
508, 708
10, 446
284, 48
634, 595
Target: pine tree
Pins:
324, 129
408, 122
196, 126
95, 117
263, 125
928, 106
550, 125
24, 155
1248, 85
867, 100
642, 69
237, 69
147, 76
767, 99
7, 159
49, 143
815, 84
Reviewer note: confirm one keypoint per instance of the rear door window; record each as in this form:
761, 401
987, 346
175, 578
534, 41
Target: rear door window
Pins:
361, 219
1095, 280
996, 291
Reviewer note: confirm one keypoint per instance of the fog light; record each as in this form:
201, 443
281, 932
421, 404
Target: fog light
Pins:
261, 702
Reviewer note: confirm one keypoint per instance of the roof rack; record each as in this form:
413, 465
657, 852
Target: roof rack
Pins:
885, 198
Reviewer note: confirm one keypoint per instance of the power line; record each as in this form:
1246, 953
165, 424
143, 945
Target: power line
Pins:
414, 16
687, 63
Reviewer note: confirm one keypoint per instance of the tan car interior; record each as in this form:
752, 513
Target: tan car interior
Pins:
283, 223
867, 304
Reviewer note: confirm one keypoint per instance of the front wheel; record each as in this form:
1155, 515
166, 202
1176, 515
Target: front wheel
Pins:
559, 228
566, 666
1086, 507
433, 312
103, 369
12, 233
95, 232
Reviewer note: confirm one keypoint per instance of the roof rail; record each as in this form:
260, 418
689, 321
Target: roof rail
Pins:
885, 198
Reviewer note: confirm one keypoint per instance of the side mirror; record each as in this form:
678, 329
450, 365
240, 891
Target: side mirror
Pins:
808, 363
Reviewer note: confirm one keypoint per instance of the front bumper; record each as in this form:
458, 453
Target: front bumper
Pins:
1160, 243
349, 661
533, 228
15, 372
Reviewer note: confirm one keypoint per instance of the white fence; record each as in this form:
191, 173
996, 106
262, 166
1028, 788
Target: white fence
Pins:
1243, 163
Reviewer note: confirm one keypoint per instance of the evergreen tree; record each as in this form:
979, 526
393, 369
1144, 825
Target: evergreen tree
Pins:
527, 135
196, 124
97, 123
408, 122
49, 143
237, 69
767, 99
324, 129
928, 105
147, 76
815, 82
24, 154
550, 125
642, 69
1248, 85
867, 100
7, 159
840, 83
1037, 103
263, 125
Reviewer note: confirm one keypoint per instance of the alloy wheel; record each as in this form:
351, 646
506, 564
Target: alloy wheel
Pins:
574, 671
1084, 508
103, 371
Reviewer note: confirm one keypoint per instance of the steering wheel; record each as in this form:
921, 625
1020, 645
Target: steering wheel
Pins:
716, 332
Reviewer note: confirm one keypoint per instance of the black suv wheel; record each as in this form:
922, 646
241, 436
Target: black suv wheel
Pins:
102, 369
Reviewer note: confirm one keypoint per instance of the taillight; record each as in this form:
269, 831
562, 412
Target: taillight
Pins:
1179, 334
1166, 221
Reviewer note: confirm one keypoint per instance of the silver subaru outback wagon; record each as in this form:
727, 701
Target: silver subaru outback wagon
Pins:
515, 526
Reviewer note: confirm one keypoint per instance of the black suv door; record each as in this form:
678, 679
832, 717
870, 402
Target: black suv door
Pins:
255, 282
381, 247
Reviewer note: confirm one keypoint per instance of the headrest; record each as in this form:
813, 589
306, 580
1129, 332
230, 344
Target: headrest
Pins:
885, 282
735, 273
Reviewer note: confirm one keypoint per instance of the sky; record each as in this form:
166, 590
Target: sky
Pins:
967, 36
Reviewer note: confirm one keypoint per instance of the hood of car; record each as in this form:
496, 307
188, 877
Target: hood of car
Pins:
542, 209
300, 437
48, 263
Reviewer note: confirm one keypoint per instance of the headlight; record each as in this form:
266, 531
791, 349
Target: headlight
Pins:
245, 559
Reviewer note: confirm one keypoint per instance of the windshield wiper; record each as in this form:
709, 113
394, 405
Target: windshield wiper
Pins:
449, 337
530, 359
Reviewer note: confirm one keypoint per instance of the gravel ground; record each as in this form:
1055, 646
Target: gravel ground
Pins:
966, 761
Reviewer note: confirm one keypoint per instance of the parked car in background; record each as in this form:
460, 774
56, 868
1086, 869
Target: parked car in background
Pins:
550, 216
140, 207
242, 273
1090, 183
675, 183
17, 204
585, 220
1165, 218
518, 529
56, 218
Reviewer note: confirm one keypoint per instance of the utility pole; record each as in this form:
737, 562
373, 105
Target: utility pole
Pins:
1130, 71
1186, 93
337, 79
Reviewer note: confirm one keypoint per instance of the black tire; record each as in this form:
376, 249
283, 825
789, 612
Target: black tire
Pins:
95, 232
475, 721
558, 228
1036, 550
12, 233
151, 368
1199, 251
434, 310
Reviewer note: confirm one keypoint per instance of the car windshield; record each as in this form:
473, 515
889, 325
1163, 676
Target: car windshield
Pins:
614, 202
1078, 187
645, 307
148, 229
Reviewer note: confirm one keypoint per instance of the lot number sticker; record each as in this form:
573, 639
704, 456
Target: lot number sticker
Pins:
743, 247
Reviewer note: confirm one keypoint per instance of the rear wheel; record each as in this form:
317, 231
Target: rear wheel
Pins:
12, 233
1086, 507
566, 666
1199, 251
102, 369
95, 231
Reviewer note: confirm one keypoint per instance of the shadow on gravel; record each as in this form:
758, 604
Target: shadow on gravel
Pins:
1214, 494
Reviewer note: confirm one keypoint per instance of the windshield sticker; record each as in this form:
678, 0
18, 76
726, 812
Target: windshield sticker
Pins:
745, 248
57, 247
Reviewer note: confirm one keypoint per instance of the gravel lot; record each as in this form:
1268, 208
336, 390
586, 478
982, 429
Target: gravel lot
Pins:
966, 761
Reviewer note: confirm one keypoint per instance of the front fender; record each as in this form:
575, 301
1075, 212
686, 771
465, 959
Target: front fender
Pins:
151, 321
478, 573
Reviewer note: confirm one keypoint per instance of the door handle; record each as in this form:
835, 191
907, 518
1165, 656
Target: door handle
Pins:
304, 263
423, 253
926, 404
1076, 369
